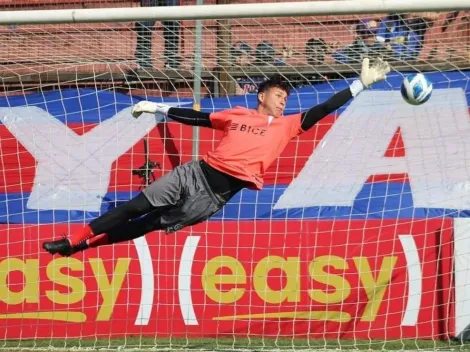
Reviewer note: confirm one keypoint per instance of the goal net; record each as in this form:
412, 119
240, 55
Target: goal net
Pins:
359, 238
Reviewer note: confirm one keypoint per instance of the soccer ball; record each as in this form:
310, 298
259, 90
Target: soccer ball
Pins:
416, 89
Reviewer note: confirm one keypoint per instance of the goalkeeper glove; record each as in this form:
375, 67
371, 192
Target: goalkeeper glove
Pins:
149, 107
370, 75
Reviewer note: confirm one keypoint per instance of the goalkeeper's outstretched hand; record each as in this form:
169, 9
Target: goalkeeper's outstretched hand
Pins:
374, 73
149, 107
370, 74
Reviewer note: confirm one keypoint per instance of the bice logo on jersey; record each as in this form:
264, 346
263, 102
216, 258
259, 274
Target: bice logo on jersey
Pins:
247, 129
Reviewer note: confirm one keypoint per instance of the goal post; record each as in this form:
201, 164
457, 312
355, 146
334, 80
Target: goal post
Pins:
228, 11
359, 239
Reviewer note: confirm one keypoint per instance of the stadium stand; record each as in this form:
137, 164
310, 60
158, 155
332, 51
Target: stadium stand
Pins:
109, 47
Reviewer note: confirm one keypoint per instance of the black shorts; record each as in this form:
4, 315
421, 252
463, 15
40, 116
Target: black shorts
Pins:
183, 197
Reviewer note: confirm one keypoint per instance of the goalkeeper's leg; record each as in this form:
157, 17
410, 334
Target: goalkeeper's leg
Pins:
195, 209
116, 217
160, 195
113, 219
128, 231
179, 199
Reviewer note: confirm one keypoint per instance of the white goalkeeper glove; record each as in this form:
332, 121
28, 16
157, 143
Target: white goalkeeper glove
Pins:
149, 107
370, 75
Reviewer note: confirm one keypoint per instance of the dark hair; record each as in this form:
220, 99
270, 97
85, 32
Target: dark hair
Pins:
240, 48
264, 53
315, 51
273, 83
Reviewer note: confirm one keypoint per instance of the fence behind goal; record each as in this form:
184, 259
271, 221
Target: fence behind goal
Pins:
359, 238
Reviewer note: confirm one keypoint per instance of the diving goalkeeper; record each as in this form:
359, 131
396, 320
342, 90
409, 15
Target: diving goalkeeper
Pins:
193, 192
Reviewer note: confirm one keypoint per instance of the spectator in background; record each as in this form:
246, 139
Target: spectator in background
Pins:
143, 52
417, 26
364, 44
405, 34
265, 54
392, 33
396, 35
241, 54
315, 51
452, 16
421, 22
286, 54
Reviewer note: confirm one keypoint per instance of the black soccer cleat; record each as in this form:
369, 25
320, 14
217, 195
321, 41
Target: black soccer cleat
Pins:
63, 247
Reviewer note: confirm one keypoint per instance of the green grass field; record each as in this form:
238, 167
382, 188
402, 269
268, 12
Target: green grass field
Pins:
226, 344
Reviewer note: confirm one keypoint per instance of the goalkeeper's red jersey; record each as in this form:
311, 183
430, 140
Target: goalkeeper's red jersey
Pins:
251, 142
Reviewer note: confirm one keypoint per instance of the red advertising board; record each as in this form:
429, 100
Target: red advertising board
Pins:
171, 145
326, 279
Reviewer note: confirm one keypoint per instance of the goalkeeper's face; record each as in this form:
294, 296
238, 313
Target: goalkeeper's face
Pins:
272, 101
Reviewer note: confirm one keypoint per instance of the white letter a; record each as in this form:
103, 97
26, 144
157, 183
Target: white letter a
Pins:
436, 136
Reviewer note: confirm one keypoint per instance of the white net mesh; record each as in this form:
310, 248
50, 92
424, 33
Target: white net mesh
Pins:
358, 239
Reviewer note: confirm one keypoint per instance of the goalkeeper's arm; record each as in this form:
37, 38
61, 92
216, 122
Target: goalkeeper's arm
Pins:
369, 75
315, 114
185, 116
190, 117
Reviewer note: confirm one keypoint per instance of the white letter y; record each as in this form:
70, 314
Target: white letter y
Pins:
73, 171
